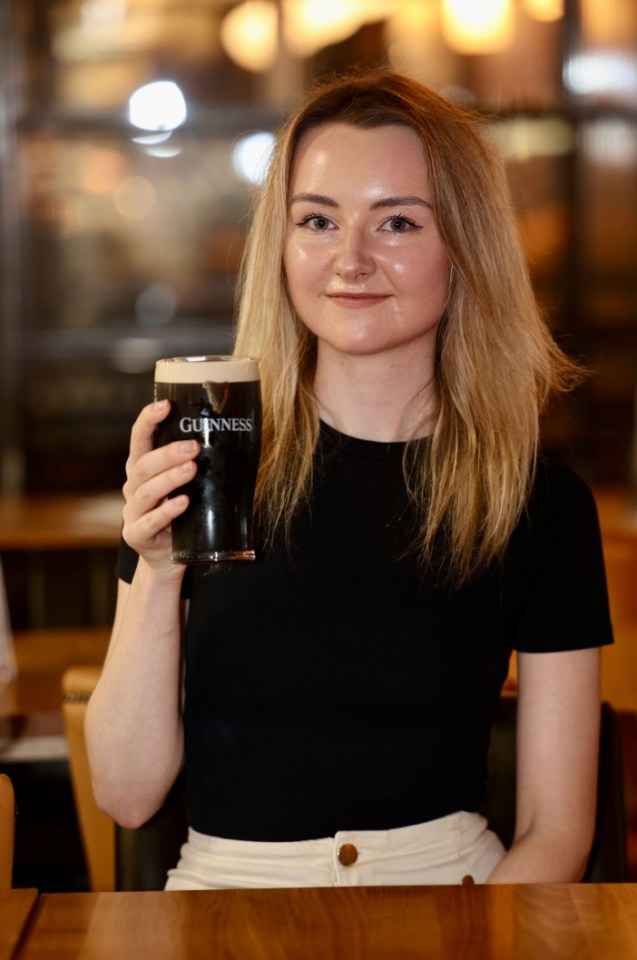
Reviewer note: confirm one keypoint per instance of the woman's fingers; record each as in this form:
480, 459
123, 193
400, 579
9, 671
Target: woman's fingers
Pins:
145, 461
149, 530
161, 461
153, 474
144, 428
144, 495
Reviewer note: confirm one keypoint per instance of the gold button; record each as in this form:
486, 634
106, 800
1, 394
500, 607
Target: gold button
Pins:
347, 854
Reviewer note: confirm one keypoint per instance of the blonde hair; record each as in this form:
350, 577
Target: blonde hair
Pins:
496, 362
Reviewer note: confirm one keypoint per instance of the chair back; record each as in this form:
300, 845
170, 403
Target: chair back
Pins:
117, 858
8, 664
97, 830
608, 861
7, 831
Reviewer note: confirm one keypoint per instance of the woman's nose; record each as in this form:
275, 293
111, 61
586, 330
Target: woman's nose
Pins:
353, 257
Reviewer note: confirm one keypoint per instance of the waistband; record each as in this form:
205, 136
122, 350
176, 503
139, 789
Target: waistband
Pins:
446, 850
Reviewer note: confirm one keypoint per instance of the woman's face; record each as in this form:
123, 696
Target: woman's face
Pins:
366, 268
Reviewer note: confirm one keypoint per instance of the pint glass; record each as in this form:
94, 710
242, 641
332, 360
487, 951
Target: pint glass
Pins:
217, 401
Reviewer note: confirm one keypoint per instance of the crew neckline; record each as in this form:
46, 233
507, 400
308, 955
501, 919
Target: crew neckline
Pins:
371, 449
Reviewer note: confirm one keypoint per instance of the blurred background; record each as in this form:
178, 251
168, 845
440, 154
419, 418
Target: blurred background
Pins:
123, 205
133, 134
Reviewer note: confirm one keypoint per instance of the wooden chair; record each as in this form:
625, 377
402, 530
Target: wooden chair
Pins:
116, 858
7, 831
96, 829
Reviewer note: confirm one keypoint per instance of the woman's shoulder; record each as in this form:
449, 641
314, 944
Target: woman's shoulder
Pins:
561, 508
555, 563
557, 483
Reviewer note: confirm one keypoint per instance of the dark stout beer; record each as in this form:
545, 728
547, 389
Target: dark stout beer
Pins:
217, 401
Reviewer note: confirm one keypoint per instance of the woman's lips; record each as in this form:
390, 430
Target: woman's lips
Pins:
355, 300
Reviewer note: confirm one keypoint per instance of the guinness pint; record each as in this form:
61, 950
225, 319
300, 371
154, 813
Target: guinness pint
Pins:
216, 401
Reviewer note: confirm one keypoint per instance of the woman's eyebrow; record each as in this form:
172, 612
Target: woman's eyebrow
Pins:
407, 201
314, 198
403, 201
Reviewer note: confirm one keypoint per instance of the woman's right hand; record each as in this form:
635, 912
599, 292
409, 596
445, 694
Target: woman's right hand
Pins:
152, 474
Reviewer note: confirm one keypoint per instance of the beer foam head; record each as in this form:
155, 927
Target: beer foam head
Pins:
217, 369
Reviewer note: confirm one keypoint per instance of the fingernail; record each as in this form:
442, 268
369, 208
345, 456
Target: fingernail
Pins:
160, 404
188, 446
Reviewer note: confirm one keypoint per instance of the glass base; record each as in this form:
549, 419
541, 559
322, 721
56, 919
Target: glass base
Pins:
212, 556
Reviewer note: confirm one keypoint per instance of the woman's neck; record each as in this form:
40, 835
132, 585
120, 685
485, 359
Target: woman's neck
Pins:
373, 399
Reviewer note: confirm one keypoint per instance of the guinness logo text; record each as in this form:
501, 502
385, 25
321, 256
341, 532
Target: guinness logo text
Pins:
214, 424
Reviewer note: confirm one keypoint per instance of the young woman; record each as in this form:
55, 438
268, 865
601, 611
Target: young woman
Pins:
338, 693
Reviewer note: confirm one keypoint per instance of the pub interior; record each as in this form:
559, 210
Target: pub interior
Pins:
133, 134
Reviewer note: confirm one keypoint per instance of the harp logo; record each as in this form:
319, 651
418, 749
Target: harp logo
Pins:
217, 394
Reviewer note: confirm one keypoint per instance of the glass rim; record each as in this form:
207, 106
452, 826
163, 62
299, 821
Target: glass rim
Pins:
214, 367
207, 358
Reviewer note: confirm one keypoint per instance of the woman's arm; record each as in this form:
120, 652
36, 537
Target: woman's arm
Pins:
557, 752
133, 724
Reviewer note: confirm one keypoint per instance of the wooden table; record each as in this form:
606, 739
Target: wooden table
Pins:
60, 522
42, 657
533, 922
30, 715
31, 724
15, 909
38, 524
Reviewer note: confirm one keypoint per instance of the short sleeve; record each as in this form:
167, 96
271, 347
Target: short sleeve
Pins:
564, 599
126, 562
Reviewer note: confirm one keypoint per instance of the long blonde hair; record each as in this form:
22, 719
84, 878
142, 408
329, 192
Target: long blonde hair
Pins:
496, 362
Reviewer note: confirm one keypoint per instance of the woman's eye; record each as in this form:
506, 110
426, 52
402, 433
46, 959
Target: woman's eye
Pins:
400, 224
316, 222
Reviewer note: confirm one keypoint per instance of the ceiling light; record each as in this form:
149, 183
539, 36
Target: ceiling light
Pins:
249, 34
546, 10
477, 26
158, 106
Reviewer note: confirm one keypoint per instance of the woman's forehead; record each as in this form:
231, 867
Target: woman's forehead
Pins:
346, 152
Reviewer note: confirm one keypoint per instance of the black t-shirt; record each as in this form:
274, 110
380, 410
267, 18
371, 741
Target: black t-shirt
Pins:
337, 685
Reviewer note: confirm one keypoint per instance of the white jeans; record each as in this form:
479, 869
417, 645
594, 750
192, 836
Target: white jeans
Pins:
443, 851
